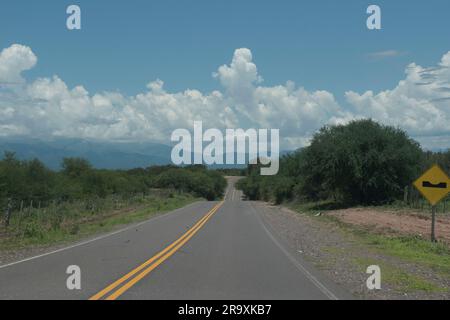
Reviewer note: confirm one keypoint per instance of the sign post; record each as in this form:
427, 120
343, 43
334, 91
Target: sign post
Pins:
434, 185
433, 224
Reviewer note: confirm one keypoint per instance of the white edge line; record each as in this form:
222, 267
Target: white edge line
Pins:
226, 193
299, 266
97, 238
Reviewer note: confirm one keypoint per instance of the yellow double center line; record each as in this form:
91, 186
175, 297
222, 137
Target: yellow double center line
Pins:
134, 276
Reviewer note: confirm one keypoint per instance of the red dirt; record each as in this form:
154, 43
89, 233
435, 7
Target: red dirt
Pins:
395, 222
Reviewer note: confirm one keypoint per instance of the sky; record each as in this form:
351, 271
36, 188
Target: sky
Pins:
139, 69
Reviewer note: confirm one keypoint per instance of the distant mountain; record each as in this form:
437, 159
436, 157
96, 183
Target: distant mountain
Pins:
102, 155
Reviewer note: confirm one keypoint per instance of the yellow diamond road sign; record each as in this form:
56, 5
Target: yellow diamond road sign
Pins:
434, 185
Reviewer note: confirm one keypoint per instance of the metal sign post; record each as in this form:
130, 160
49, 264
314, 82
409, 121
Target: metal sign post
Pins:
433, 224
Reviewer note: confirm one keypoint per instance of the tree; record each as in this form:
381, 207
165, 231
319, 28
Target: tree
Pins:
39, 180
75, 167
362, 162
12, 176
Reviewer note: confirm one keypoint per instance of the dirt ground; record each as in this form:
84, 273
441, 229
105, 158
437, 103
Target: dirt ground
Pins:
403, 222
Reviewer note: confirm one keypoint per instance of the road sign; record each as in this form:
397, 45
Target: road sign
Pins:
434, 185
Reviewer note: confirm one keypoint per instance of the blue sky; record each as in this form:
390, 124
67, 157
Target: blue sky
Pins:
320, 45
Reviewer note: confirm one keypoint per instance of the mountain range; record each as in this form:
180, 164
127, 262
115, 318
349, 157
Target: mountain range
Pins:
102, 155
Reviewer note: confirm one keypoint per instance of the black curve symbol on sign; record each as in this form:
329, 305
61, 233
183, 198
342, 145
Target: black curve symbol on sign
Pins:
428, 184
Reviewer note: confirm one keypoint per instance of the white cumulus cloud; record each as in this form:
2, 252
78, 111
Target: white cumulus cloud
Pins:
420, 103
47, 107
13, 61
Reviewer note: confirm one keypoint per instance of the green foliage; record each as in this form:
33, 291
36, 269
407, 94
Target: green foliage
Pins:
362, 162
31, 184
76, 167
440, 158
200, 181
235, 172
49, 206
24, 180
276, 189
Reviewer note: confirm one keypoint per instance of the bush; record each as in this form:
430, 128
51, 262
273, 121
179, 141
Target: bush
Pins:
199, 181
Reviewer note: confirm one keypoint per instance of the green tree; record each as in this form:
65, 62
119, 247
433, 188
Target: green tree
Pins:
362, 162
39, 180
75, 167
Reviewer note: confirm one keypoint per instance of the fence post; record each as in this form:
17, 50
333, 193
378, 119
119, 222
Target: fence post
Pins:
8, 213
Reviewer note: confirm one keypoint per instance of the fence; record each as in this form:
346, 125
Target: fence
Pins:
414, 199
57, 210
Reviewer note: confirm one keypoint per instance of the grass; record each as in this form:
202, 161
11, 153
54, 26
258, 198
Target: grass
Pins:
316, 207
402, 281
413, 249
73, 221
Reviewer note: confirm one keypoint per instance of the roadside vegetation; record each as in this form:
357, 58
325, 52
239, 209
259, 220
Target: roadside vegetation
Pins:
45, 206
79, 219
368, 167
362, 163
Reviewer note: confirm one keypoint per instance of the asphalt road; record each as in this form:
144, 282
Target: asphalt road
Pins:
208, 250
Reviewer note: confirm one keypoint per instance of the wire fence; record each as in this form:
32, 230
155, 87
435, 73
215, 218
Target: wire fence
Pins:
413, 199
57, 210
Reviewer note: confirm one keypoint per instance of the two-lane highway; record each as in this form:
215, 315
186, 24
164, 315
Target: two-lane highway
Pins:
208, 250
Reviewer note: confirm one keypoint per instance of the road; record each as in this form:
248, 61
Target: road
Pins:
208, 250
